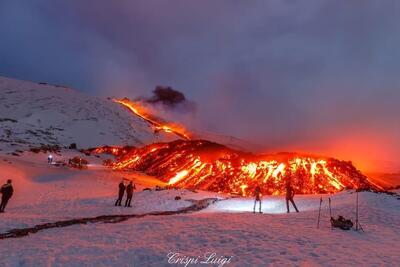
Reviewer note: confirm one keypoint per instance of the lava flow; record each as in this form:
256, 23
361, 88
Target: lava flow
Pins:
205, 165
157, 123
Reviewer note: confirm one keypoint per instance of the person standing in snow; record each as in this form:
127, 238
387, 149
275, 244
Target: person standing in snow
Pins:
129, 194
257, 195
121, 191
290, 195
7, 191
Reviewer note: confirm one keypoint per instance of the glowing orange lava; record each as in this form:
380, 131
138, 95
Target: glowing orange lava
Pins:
156, 123
204, 165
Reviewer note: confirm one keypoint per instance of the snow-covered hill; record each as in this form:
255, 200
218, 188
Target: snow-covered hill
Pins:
46, 194
32, 114
38, 113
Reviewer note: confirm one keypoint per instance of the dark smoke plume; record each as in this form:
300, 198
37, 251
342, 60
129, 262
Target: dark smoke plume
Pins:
167, 96
170, 99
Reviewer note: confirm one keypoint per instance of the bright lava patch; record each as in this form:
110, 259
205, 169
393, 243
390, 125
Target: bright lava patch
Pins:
205, 165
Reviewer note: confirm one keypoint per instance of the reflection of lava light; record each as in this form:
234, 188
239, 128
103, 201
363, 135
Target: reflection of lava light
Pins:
179, 176
268, 205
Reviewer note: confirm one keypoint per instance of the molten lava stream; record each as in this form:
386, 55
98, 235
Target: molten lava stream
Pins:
204, 165
156, 123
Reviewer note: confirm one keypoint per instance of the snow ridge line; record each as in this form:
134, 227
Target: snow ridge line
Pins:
21, 232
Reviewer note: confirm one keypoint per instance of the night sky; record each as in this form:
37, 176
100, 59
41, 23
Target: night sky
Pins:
316, 76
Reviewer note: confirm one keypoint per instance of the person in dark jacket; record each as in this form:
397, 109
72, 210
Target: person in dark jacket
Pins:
129, 194
7, 191
121, 191
290, 195
257, 195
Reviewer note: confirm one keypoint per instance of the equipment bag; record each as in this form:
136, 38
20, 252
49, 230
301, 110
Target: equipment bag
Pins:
341, 223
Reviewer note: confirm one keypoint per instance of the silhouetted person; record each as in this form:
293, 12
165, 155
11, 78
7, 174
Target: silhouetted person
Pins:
50, 159
129, 194
121, 191
7, 191
257, 195
289, 196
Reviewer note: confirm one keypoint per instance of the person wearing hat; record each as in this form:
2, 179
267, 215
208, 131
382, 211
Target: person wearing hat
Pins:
7, 191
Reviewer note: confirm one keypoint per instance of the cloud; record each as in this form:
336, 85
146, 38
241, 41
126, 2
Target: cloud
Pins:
280, 73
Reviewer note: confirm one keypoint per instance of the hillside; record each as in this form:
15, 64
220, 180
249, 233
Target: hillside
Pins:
38, 113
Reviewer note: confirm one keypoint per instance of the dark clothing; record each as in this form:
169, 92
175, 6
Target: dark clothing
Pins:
129, 194
121, 187
3, 204
289, 192
129, 189
128, 201
294, 205
289, 197
257, 194
7, 191
255, 203
120, 194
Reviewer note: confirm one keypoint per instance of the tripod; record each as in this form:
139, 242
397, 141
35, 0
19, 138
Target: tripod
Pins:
358, 225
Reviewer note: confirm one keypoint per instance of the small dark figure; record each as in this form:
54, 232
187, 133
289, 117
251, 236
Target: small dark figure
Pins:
129, 194
7, 191
341, 223
257, 194
50, 159
121, 191
289, 196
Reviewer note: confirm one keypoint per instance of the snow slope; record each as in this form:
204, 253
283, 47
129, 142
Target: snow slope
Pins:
32, 114
228, 228
39, 113
45, 193
35, 113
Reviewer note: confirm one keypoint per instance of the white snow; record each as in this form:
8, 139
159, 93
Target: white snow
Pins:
32, 114
228, 228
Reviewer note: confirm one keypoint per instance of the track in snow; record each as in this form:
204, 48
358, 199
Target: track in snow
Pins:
21, 232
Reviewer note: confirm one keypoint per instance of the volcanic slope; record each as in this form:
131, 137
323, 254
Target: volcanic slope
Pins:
32, 114
205, 165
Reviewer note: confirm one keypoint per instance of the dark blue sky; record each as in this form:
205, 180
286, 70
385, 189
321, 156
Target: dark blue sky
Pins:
315, 75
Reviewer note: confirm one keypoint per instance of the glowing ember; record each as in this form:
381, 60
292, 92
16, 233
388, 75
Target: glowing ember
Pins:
158, 124
209, 166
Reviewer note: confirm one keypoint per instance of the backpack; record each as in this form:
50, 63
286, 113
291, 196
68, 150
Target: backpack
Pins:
342, 223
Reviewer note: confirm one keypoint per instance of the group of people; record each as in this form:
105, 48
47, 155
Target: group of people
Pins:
289, 197
129, 193
6, 191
